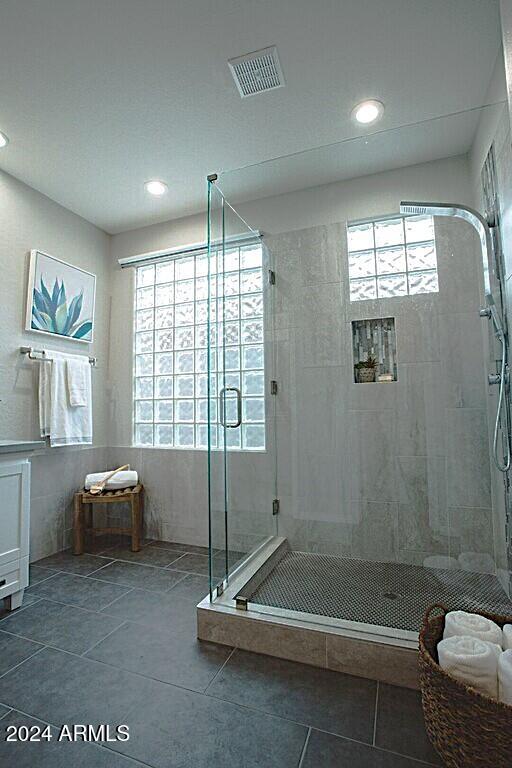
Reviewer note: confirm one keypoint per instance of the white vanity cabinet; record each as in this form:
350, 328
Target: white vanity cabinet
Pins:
14, 524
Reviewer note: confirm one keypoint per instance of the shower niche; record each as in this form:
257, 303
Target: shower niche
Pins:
374, 350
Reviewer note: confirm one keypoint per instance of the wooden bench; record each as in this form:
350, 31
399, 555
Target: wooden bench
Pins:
84, 503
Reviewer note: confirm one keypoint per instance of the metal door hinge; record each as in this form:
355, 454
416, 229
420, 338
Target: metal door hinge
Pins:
273, 387
271, 277
241, 603
275, 507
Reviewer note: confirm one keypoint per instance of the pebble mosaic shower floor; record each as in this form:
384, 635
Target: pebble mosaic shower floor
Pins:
387, 594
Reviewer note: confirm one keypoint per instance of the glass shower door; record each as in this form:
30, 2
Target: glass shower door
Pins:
241, 458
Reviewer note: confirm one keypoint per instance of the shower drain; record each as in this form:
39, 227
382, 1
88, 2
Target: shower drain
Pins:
391, 595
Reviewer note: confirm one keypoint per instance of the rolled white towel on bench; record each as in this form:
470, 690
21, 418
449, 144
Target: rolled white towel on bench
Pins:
505, 676
472, 661
127, 478
507, 637
473, 625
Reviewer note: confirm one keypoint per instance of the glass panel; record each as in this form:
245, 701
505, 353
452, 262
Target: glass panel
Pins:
422, 256
389, 232
392, 285
361, 290
360, 237
234, 339
390, 260
361, 264
423, 282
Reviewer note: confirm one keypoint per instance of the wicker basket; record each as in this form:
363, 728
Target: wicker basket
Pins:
468, 730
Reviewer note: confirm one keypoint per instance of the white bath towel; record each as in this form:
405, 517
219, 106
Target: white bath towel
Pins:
78, 373
127, 478
507, 637
505, 676
68, 425
472, 625
45, 379
472, 661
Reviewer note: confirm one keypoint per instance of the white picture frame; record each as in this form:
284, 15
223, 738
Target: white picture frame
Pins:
60, 299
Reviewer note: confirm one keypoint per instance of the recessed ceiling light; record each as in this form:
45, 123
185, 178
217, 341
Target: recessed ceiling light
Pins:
368, 111
155, 187
3, 140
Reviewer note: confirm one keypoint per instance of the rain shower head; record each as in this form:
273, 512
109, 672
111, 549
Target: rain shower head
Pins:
414, 208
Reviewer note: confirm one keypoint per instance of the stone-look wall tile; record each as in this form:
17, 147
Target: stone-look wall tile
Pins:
260, 636
375, 535
420, 410
320, 404
504, 174
471, 530
468, 470
423, 518
459, 263
319, 253
417, 335
370, 459
462, 354
386, 663
47, 526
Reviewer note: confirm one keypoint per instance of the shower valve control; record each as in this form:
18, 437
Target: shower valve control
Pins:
493, 378
485, 312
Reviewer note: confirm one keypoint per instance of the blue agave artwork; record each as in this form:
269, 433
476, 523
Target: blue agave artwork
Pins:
51, 312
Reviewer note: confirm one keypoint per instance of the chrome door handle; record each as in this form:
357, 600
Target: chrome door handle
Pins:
222, 415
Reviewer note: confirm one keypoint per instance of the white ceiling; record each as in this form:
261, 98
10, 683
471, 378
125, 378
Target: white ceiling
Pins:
97, 96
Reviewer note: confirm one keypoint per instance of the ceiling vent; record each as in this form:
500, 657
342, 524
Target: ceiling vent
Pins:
257, 72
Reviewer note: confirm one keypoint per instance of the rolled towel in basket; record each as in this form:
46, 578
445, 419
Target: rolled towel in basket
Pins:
472, 661
127, 478
473, 625
505, 676
507, 637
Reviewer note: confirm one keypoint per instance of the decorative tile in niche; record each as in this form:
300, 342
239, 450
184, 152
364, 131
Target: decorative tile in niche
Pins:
374, 350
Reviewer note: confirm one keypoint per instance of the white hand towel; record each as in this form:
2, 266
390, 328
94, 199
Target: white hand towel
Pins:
507, 637
45, 378
127, 478
78, 373
505, 676
471, 661
68, 426
473, 625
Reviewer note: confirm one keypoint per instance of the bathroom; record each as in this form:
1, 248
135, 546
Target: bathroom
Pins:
286, 238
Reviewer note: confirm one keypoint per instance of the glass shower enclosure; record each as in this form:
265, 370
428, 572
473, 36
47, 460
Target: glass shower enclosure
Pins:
240, 410
354, 326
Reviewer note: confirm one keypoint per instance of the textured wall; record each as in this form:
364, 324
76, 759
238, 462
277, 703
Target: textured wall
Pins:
396, 471
31, 220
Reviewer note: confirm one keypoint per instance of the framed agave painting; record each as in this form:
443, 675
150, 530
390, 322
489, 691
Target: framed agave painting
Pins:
60, 298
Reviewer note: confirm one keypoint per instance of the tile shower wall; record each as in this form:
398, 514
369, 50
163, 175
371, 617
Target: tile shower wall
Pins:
396, 471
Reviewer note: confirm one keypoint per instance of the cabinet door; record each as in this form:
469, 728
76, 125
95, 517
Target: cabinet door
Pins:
14, 510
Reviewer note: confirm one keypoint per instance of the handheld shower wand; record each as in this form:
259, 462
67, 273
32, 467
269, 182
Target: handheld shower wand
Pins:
490, 310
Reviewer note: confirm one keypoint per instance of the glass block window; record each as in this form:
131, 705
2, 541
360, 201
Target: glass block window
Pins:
392, 257
171, 355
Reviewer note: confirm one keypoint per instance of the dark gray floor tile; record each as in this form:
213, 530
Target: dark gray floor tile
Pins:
59, 688
14, 650
171, 654
37, 574
180, 729
195, 563
138, 575
152, 608
400, 724
78, 590
191, 588
61, 626
67, 561
177, 547
327, 751
4, 710
327, 700
54, 753
146, 555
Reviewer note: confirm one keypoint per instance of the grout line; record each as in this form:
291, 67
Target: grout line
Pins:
88, 650
24, 660
304, 748
115, 600
219, 670
376, 711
